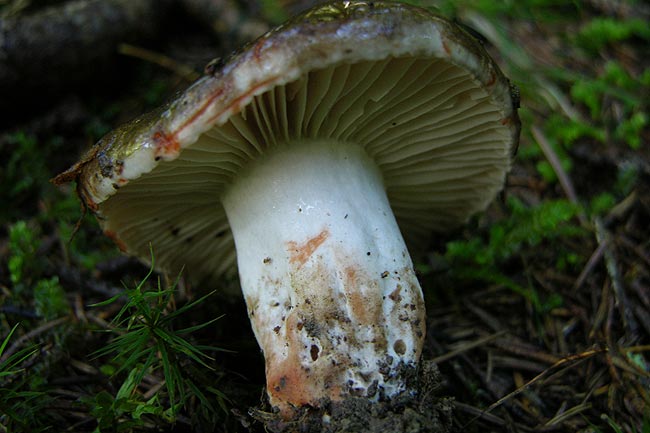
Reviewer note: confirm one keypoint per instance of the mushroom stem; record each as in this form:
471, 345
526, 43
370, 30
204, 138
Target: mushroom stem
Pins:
329, 284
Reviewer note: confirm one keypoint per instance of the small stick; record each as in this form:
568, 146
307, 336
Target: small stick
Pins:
32, 334
562, 176
466, 347
602, 236
183, 71
591, 263
516, 392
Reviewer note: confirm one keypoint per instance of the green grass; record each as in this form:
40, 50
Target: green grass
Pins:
19, 406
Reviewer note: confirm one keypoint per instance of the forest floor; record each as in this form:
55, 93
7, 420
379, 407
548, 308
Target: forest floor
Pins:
538, 309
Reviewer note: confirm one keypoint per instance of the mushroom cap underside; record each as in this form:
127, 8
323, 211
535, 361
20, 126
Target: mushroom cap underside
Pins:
416, 91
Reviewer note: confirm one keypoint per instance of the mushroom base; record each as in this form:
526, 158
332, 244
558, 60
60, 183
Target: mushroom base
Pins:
425, 412
328, 282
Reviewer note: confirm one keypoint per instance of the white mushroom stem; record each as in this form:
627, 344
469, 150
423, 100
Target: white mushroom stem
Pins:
329, 284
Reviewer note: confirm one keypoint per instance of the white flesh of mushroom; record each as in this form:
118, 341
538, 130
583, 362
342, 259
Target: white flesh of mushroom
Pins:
328, 281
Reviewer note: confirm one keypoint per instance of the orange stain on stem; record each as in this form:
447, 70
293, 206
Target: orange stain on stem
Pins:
362, 309
292, 385
301, 253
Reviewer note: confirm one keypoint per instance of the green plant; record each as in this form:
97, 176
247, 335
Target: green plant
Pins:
24, 173
49, 299
631, 129
540, 10
26, 271
147, 342
23, 243
567, 131
616, 85
20, 410
601, 32
614, 81
618, 112
125, 411
562, 133
481, 259
22, 170
273, 12
645, 426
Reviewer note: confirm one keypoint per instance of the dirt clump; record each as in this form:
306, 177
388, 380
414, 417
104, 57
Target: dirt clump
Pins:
423, 411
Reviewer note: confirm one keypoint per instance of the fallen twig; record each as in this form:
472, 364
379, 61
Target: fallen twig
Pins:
561, 362
467, 346
15, 346
562, 176
629, 323
591, 263
185, 72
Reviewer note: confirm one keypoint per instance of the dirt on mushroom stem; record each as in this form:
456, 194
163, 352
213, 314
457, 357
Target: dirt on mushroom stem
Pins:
420, 412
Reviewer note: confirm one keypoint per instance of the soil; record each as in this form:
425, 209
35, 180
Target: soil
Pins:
421, 411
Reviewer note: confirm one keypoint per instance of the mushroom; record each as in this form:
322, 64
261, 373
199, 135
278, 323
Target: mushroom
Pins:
318, 153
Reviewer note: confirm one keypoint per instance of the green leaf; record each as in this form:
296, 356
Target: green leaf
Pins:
151, 407
128, 386
7, 338
631, 129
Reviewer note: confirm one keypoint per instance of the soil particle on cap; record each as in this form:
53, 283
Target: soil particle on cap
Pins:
419, 412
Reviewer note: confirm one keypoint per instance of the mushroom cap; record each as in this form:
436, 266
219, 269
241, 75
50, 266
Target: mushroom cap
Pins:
418, 92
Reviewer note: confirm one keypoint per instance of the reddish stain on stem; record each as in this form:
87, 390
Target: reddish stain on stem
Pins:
301, 253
